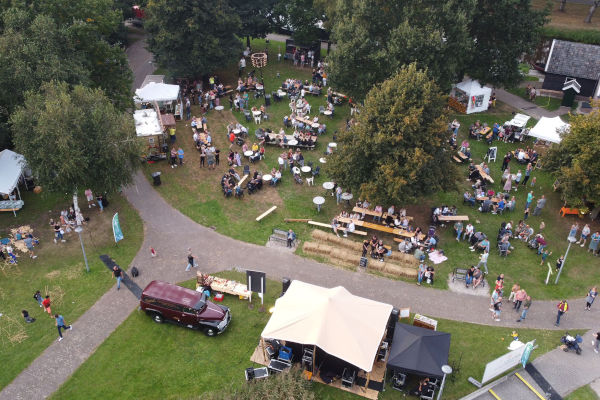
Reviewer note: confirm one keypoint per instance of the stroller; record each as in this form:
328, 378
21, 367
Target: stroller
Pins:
534, 243
571, 343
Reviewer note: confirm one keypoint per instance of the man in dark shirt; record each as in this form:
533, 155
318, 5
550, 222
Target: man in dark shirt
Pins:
118, 274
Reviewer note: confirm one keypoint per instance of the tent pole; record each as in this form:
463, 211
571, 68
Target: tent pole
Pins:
18, 191
264, 349
314, 365
367, 384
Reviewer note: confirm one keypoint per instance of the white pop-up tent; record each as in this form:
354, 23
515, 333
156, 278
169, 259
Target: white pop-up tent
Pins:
472, 95
11, 169
343, 325
156, 92
549, 129
519, 120
147, 123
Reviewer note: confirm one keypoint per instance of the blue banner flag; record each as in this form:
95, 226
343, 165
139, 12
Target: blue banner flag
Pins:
117, 228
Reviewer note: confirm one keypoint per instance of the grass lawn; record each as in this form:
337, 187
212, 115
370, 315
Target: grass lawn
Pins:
171, 362
197, 193
583, 393
59, 270
549, 103
573, 16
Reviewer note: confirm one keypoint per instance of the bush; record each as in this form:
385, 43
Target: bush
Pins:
572, 35
285, 386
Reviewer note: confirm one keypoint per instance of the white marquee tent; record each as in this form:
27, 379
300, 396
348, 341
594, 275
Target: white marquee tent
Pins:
159, 92
549, 129
11, 168
147, 123
519, 120
477, 96
343, 325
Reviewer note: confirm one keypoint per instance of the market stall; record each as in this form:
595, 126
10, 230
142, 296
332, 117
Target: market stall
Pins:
148, 127
222, 285
338, 334
11, 171
470, 97
163, 95
550, 129
515, 128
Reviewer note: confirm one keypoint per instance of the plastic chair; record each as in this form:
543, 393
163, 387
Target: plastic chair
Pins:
246, 170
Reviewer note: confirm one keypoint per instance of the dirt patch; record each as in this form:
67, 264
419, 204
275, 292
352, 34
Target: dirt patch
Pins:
53, 275
421, 214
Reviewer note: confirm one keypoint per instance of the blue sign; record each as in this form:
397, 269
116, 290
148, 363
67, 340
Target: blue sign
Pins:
526, 353
117, 228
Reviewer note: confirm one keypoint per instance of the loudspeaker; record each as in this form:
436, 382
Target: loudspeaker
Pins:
285, 284
391, 326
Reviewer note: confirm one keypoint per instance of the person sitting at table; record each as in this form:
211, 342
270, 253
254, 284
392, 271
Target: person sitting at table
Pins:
526, 233
469, 198
445, 210
499, 207
276, 177
474, 174
430, 243
389, 220
350, 228
335, 225
234, 174
405, 246
504, 245
397, 222
477, 277
486, 206
464, 146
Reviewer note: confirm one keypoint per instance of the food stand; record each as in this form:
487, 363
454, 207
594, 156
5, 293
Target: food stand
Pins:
222, 285
469, 97
148, 127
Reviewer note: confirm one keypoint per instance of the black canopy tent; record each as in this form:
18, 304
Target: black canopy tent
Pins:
419, 351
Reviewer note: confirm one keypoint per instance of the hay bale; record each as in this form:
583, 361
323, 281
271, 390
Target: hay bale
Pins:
319, 234
310, 247
324, 249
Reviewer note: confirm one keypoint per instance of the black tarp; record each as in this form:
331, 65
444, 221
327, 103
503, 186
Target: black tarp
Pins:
417, 350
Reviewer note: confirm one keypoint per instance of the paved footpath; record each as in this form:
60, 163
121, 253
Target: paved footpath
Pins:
171, 233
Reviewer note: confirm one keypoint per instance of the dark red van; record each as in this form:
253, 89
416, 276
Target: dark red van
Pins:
165, 301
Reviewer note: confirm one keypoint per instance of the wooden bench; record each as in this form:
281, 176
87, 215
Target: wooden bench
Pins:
483, 174
447, 218
269, 211
367, 211
458, 160
316, 223
570, 211
460, 274
385, 214
241, 181
462, 156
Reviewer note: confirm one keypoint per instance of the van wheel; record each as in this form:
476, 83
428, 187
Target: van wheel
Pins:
157, 318
210, 331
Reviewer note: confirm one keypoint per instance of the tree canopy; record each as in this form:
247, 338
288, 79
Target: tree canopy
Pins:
192, 38
75, 138
302, 17
257, 17
59, 40
397, 150
575, 162
502, 31
482, 38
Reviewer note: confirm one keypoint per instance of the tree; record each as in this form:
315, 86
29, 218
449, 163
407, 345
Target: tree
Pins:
397, 151
257, 18
575, 162
370, 48
303, 18
593, 7
75, 138
503, 30
192, 38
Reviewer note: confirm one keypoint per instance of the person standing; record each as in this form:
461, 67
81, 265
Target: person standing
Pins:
562, 307
190, 257
539, 206
497, 307
90, 198
527, 173
180, 155
585, 232
29, 243
118, 274
526, 305
60, 324
46, 304
421, 273
483, 261
590, 298
291, 236
529, 199
594, 241
38, 297
573, 231
338, 195
519, 298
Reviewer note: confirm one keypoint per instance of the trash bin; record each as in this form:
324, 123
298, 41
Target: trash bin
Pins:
156, 178
267, 100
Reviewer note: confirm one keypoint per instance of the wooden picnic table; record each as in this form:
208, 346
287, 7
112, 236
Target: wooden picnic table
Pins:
514, 153
483, 174
484, 198
367, 211
446, 218
462, 156
382, 228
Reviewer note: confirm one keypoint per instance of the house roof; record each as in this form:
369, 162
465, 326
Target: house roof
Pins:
576, 60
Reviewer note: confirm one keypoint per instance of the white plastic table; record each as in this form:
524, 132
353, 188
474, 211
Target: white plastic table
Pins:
292, 142
347, 197
327, 112
256, 113
267, 177
323, 160
219, 108
248, 153
236, 131
333, 145
328, 186
315, 125
306, 169
319, 200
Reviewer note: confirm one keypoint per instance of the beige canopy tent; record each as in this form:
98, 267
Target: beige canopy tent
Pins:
346, 326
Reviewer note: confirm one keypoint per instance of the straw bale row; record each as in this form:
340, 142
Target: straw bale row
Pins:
350, 258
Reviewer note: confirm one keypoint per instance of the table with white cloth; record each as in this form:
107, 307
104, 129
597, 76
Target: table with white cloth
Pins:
306, 169
267, 177
329, 186
347, 197
319, 200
